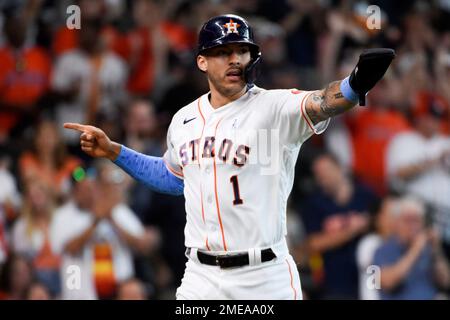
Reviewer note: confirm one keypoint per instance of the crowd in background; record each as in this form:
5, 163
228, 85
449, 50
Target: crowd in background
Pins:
372, 193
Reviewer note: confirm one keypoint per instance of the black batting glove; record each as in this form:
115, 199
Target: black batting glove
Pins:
371, 67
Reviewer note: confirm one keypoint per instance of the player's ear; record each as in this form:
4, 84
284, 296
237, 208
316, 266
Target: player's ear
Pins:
202, 63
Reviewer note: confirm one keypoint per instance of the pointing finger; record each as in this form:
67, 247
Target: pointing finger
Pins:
90, 130
76, 126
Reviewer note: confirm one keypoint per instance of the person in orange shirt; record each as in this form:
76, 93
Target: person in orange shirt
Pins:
426, 101
181, 28
48, 160
145, 47
371, 130
65, 39
24, 75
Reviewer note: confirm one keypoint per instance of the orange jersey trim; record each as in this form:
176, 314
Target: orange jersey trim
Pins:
292, 280
198, 159
217, 197
207, 245
173, 171
303, 112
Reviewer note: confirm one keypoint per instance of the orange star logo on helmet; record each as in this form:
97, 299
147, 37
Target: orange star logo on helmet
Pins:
232, 27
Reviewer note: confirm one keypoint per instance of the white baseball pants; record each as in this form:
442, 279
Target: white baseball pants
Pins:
277, 279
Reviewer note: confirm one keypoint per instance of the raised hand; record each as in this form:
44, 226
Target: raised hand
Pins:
371, 67
95, 142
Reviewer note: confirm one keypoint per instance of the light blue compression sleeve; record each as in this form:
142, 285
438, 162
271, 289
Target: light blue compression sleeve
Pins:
150, 171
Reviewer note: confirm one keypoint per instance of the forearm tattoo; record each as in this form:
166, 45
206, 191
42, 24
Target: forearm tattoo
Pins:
327, 103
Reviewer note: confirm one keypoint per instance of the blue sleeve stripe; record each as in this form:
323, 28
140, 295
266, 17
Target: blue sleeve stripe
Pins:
151, 171
347, 91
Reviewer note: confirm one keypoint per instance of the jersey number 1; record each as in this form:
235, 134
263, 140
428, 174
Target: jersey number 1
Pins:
237, 197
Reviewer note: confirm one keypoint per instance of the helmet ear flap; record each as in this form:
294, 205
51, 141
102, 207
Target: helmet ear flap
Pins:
252, 70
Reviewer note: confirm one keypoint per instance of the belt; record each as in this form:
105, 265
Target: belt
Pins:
234, 260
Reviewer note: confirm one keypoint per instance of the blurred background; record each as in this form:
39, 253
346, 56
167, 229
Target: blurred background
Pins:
371, 194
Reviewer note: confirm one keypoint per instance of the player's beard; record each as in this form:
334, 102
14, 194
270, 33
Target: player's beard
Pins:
225, 89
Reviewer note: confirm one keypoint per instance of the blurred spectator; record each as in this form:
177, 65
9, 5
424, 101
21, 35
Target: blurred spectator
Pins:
277, 71
141, 127
411, 261
131, 289
108, 123
431, 99
367, 246
303, 25
296, 239
181, 26
413, 63
16, 276
91, 80
24, 78
418, 162
37, 291
145, 48
48, 160
167, 213
156, 211
372, 128
335, 217
336, 46
141, 134
305, 45
30, 234
10, 200
65, 39
99, 236
442, 72
186, 85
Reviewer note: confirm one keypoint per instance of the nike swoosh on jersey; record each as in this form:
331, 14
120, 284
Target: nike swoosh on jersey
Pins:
186, 121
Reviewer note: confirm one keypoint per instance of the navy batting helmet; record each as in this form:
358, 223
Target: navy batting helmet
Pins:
226, 29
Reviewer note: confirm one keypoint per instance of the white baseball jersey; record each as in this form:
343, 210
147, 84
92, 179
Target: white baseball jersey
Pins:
238, 162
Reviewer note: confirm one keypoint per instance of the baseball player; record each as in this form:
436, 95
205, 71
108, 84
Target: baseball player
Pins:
236, 213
